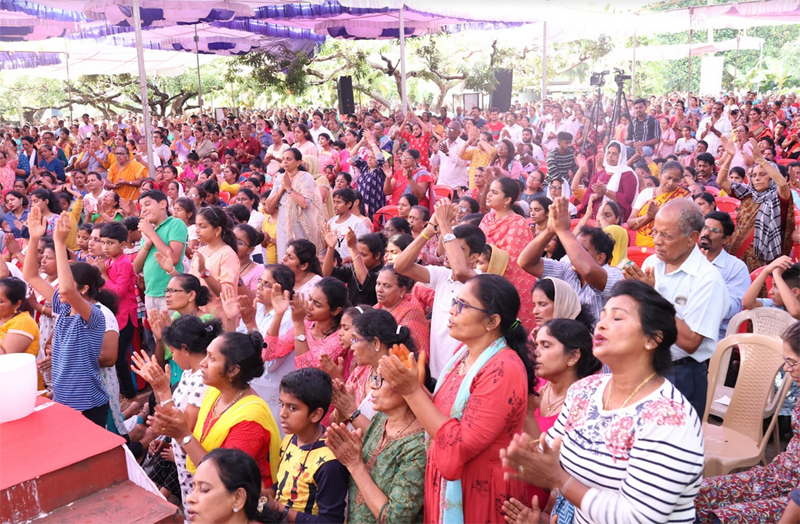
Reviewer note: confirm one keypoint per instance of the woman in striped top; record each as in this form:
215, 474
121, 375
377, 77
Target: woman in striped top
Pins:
631, 446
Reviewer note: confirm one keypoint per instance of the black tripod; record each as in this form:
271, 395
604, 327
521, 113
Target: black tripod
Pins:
620, 105
597, 121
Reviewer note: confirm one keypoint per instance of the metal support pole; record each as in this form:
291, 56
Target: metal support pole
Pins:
689, 87
199, 84
633, 67
148, 138
544, 60
69, 85
403, 87
760, 57
736, 63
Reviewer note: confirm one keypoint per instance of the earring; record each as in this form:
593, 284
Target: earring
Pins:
377, 349
236, 510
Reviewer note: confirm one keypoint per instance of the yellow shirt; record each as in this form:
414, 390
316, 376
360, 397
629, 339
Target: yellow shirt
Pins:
24, 325
478, 158
232, 189
133, 171
271, 228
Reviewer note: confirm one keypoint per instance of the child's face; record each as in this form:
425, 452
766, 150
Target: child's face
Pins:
134, 236
775, 295
82, 240
483, 263
294, 415
339, 206
346, 331
95, 244
112, 248
179, 213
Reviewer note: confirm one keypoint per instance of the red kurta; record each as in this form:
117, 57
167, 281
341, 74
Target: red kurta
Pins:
470, 449
512, 234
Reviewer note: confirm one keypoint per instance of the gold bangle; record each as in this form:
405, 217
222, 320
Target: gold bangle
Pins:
357, 255
426, 237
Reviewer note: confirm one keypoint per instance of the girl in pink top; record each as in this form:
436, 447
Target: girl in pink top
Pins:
316, 324
215, 263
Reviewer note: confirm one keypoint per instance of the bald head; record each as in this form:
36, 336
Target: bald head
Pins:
686, 213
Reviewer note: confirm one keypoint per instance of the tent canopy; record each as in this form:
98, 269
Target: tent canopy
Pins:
655, 53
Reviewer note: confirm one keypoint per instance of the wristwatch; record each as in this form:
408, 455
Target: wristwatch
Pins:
289, 191
449, 237
300, 338
354, 416
185, 440
206, 273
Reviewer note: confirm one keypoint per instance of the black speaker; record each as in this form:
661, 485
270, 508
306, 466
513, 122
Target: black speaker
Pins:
501, 98
347, 104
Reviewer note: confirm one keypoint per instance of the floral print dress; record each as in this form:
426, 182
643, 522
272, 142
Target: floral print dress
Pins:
641, 463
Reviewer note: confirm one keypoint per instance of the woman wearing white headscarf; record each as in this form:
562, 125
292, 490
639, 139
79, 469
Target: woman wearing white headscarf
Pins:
616, 181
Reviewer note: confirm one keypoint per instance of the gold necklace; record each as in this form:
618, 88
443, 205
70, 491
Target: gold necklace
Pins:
550, 402
635, 391
204, 434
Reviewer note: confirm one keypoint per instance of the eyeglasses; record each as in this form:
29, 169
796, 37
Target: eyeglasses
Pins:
377, 381
791, 364
242, 243
460, 305
655, 234
463, 209
354, 340
172, 291
263, 283
714, 230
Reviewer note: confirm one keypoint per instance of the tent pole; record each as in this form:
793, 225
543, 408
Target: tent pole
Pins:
69, 84
403, 87
633, 67
199, 84
760, 56
544, 60
736, 63
689, 87
137, 25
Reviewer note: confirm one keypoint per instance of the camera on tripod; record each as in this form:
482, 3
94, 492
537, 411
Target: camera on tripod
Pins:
620, 76
598, 79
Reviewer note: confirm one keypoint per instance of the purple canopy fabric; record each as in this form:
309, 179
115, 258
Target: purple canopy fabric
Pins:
27, 60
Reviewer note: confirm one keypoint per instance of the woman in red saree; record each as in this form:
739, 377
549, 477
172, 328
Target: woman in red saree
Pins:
765, 222
472, 413
509, 231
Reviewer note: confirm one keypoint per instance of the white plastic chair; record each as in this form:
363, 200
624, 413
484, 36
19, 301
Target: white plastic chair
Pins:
740, 441
766, 321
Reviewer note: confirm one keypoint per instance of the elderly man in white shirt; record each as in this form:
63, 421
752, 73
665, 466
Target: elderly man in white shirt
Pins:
452, 168
681, 273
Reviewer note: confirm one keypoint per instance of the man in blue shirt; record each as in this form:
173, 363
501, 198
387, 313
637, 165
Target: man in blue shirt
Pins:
715, 235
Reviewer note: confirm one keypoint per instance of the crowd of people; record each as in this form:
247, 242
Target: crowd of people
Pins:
431, 316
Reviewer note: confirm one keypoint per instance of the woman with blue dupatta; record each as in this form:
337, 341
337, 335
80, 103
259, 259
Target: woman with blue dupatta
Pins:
479, 404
